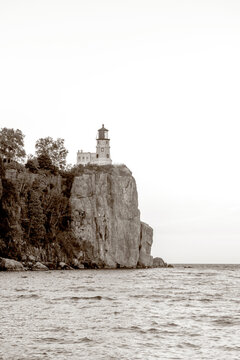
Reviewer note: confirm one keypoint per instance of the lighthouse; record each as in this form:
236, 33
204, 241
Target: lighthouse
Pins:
102, 155
103, 147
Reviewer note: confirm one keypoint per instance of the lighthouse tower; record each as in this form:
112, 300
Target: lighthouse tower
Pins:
103, 147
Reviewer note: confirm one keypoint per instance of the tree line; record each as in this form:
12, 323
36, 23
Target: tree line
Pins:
50, 154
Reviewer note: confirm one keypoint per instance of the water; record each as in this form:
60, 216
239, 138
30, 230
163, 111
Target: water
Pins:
180, 313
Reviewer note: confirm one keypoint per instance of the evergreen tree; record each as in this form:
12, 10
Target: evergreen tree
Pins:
32, 164
45, 162
37, 229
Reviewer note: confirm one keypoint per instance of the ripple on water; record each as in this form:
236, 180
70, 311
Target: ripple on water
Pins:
28, 296
226, 321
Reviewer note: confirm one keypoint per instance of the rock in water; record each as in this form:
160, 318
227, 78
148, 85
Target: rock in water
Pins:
10, 265
158, 262
106, 220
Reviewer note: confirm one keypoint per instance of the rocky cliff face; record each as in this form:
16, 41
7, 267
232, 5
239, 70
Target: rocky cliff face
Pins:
106, 220
94, 222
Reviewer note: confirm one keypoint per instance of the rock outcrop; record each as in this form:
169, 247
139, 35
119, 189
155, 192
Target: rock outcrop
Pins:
146, 239
106, 220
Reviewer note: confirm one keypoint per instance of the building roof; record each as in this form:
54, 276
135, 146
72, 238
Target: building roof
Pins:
103, 128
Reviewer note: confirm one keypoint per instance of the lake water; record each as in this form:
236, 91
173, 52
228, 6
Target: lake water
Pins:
180, 313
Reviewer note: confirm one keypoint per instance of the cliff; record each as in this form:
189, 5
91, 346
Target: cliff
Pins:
88, 219
106, 219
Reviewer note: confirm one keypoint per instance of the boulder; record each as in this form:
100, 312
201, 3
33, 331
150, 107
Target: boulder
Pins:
77, 264
10, 265
158, 262
63, 266
24, 258
39, 267
50, 265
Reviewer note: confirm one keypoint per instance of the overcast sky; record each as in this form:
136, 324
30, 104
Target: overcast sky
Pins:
164, 78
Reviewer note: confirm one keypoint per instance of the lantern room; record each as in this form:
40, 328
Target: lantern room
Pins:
102, 133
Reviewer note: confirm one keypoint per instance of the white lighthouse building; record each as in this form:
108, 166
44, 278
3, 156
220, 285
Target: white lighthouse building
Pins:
102, 154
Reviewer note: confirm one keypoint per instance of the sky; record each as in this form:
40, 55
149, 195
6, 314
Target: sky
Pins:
163, 76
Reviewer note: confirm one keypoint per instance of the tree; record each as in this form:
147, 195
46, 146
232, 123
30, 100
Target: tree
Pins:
44, 162
11, 144
2, 171
54, 149
37, 218
32, 164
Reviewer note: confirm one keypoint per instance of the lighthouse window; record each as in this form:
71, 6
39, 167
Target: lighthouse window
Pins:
107, 155
97, 155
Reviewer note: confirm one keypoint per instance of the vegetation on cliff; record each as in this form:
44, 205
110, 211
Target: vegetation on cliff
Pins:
35, 214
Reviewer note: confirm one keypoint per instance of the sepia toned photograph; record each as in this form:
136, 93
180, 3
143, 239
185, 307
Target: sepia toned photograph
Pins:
119, 180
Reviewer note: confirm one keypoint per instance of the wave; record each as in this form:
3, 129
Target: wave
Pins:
171, 324
188, 344
152, 331
28, 296
18, 290
205, 300
78, 298
224, 321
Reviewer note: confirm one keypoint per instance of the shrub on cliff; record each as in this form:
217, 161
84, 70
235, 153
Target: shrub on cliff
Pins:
56, 210
9, 195
99, 168
14, 165
68, 178
76, 170
68, 244
80, 169
32, 164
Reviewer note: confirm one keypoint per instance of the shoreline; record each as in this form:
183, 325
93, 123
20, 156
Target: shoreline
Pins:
14, 265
